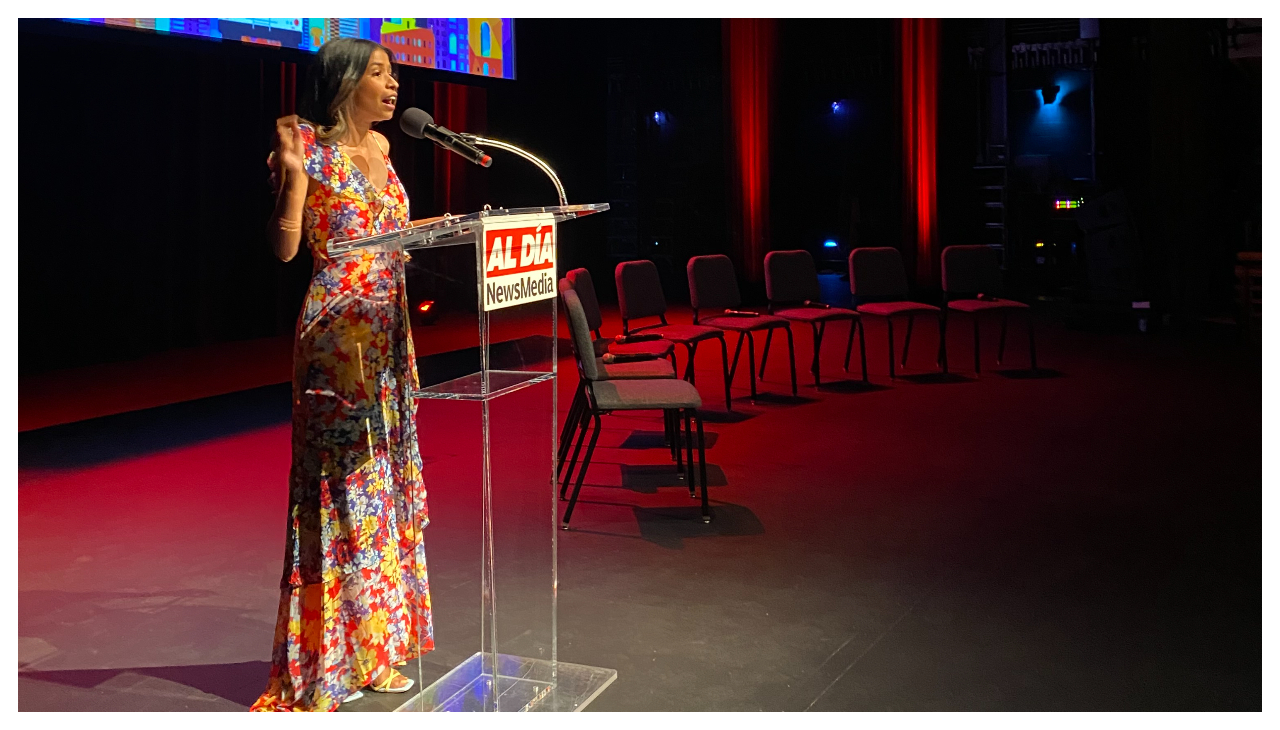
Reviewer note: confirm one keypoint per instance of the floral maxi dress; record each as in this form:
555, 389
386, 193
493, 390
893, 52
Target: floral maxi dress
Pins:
354, 596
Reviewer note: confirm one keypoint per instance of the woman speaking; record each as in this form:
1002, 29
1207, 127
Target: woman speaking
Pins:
354, 602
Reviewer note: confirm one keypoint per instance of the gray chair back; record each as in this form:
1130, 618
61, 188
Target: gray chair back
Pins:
586, 291
713, 283
583, 350
639, 290
877, 272
970, 270
790, 276
563, 286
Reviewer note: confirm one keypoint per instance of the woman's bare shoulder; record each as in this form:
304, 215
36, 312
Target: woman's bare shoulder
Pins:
383, 144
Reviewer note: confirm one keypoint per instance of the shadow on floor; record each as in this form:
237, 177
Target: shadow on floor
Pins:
766, 398
136, 433
241, 682
1029, 374
646, 479
935, 378
721, 416
853, 387
669, 527
657, 440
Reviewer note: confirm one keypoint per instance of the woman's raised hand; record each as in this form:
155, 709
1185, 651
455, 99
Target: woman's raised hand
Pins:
288, 150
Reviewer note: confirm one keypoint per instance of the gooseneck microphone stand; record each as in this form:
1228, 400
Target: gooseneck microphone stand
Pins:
476, 139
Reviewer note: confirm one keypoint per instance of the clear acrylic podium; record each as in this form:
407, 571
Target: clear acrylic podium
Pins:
512, 666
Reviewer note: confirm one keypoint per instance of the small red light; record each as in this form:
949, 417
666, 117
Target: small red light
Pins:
425, 306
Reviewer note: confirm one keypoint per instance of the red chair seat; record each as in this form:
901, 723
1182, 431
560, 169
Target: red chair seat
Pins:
736, 323
886, 309
657, 348
815, 314
978, 305
686, 333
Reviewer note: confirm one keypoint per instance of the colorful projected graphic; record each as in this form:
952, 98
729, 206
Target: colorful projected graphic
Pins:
480, 46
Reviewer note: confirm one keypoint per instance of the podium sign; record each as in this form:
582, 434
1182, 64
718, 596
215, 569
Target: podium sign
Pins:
518, 260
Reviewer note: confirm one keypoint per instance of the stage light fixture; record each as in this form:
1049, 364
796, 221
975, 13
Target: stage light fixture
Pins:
830, 244
425, 306
659, 118
1050, 93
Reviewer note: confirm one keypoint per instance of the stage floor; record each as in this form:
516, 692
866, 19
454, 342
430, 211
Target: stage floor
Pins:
1084, 542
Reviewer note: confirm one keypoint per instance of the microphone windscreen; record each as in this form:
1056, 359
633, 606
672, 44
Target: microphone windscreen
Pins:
414, 122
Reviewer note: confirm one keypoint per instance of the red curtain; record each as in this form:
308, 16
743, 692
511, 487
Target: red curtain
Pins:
750, 47
288, 88
918, 52
459, 184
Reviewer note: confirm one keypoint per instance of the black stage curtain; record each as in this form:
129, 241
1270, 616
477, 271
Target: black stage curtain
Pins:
143, 189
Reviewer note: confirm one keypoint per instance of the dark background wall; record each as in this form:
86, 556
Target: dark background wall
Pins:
143, 186
143, 193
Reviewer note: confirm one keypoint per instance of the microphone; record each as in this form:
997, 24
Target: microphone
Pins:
419, 125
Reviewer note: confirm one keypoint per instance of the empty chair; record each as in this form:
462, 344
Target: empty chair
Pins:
640, 297
878, 282
974, 271
1249, 292
678, 400
791, 282
713, 285
656, 345
612, 366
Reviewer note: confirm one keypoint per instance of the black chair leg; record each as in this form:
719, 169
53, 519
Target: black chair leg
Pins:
818, 330
702, 467
889, 321
724, 363
586, 461
581, 430
764, 357
862, 347
688, 444
751, 362
906, 341
737, 351
678, 443
942, 341
848, 348
791, 358
564, 430
1031, 340
689, 374
570, 420
1004, 327
942, 333
977, 365
668, 433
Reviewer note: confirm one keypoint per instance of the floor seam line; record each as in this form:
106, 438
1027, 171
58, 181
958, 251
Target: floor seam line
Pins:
871, 646
837, 651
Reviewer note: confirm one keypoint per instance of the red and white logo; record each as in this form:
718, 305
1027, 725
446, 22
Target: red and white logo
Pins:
518, 259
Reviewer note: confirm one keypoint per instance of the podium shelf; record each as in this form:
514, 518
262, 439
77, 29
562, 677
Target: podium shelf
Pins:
472, 387
523, 685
